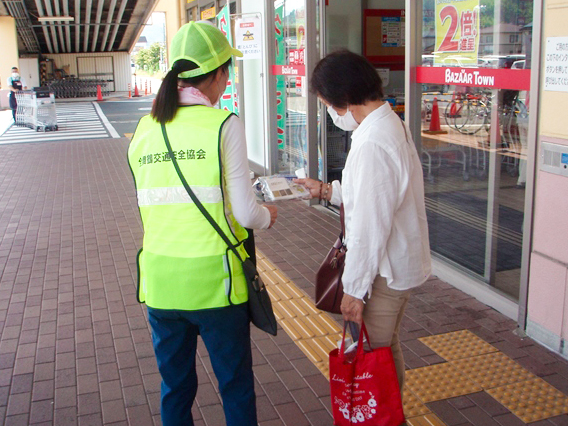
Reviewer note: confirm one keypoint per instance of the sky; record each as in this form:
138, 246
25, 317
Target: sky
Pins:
155, 29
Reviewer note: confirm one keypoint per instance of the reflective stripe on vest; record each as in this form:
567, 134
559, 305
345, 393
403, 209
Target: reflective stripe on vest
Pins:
178, 195
184, 264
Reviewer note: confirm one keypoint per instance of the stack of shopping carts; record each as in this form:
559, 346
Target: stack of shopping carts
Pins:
77, 88
36, 109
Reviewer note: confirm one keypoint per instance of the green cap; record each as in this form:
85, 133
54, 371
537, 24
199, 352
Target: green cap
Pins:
202, 43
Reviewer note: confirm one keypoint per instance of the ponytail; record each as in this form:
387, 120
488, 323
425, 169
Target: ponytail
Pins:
167, 100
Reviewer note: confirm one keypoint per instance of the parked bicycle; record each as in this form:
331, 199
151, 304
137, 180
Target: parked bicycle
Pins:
468, 113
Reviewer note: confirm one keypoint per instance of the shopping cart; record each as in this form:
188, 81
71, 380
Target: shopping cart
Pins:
36, 109
78, 88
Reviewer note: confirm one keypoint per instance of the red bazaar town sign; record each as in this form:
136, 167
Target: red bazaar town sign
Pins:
475, 77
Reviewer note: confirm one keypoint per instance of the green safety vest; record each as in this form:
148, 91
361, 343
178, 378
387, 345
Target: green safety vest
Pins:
184, 264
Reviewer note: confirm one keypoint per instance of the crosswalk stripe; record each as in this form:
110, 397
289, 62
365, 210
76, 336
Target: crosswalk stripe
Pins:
62, 138
53, 136
74, 121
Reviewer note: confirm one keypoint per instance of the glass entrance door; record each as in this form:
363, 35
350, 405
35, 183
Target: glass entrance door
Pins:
291, 84
475, 76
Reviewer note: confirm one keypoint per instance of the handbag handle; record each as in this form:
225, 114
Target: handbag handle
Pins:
363, 334
342, 220
194, 197
360, 343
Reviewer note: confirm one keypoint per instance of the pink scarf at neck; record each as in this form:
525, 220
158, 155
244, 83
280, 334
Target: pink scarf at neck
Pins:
192, 96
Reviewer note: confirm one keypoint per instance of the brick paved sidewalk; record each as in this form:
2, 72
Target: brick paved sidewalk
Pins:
75, 347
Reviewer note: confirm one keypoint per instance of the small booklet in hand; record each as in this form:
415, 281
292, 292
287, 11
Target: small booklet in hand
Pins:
278, 188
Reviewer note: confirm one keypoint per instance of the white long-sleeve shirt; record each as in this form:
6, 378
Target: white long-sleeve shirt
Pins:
236, 177
385, 217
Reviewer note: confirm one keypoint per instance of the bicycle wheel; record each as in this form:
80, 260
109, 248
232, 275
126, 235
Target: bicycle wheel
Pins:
453, 114
475, 117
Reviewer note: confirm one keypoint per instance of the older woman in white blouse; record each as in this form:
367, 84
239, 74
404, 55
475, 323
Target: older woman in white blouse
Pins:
382, 192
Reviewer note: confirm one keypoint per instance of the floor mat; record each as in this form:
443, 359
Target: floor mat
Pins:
457, 224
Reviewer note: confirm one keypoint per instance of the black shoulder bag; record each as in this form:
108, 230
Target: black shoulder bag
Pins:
260, 307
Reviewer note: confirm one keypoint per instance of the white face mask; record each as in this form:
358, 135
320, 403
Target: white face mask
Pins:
345, 122
15, 76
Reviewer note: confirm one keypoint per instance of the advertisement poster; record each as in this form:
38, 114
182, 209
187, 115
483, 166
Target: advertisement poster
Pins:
248, 37
280, 60
392, 31
229, 101
457, 33
556, 64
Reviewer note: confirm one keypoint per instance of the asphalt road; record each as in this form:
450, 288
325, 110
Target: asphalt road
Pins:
124, 114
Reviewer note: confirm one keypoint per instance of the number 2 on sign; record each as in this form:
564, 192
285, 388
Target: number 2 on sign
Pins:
449, 44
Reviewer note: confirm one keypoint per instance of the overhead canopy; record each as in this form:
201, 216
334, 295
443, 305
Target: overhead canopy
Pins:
91, 25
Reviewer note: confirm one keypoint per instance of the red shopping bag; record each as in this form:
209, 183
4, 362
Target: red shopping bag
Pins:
364, 389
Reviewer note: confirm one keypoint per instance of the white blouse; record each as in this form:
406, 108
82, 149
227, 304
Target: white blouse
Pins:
382, 192
238, 185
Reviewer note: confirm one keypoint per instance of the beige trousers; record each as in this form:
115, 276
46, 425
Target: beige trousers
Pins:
383, 314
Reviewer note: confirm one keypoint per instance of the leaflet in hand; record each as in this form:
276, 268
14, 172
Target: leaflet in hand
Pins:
278, 188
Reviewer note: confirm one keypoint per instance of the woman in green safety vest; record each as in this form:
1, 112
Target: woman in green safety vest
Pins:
190, 281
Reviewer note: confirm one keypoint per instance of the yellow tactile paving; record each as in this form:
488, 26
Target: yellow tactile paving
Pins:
268, 278
280, 276
317, 325
492, 370
324, 368
308, 305
283, 292
313, 351
474, 364
412, 405
457, 345
277, 313
291, 329
331, 324
531, 400
295, 308
325, 344
427, 420
439, 381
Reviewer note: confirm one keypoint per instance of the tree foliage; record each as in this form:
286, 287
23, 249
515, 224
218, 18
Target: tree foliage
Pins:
149, 59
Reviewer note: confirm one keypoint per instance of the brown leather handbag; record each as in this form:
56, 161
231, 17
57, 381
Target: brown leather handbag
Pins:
329, 289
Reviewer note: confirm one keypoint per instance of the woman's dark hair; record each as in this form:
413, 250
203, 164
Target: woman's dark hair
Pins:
344, 78
167, 100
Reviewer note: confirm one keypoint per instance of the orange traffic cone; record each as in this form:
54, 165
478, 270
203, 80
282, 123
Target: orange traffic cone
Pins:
99, 93
136, 93
435, 128
453, 107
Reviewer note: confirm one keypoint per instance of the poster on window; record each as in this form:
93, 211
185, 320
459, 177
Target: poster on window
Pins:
280, 60
247, 37
457, 33
229, 100
392, 29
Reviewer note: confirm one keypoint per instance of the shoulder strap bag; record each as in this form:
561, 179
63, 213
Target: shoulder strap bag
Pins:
260, 307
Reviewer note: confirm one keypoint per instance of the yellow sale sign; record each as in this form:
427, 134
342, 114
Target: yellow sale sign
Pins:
457, 33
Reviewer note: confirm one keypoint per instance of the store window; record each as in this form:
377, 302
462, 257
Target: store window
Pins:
475, 80
291, 84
